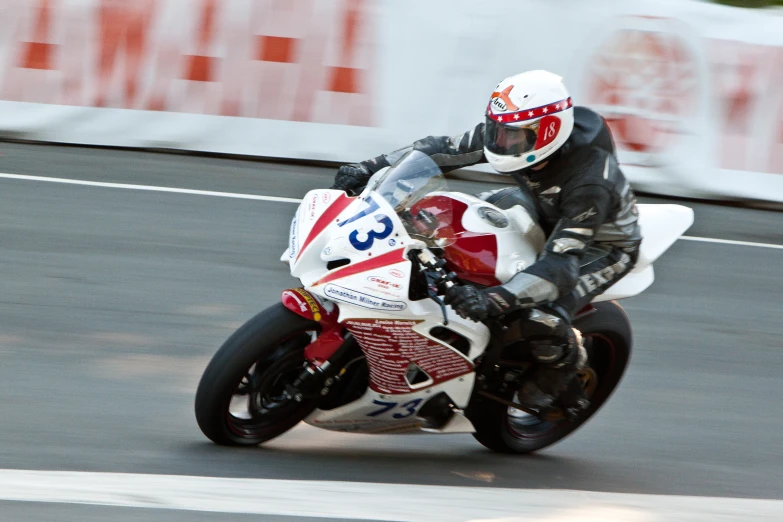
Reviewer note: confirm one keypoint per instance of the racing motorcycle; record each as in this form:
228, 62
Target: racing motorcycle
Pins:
367, 345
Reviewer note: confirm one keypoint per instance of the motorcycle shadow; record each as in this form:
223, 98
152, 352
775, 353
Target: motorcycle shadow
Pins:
393, 460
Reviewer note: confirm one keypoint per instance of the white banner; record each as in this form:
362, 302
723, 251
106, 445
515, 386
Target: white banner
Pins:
693, 91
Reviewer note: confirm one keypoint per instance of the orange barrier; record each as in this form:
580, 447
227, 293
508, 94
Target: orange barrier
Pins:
297, 60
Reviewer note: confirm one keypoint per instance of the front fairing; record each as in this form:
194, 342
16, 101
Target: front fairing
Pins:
333, 235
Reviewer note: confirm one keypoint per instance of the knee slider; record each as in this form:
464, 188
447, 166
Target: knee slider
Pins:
549, 336
544, 324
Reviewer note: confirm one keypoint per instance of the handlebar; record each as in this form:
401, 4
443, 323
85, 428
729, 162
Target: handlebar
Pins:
445, 280
438, 280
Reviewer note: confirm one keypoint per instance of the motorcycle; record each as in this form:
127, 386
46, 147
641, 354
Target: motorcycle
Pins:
367, 345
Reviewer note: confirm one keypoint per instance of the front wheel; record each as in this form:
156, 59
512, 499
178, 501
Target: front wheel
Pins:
240, 400
607, 339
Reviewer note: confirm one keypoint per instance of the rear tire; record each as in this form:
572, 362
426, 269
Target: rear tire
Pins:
608, 340
256, 362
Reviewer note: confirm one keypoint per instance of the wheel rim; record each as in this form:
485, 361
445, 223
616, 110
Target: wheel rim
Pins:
526, 427
257, 402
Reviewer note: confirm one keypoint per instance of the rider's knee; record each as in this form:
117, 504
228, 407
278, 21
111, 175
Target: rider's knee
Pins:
549, 335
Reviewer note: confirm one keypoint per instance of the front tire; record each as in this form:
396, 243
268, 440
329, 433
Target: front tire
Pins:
252, 368
608, 340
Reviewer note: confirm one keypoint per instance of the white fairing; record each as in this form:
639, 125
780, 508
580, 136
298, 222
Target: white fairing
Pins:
661, 226
374, 287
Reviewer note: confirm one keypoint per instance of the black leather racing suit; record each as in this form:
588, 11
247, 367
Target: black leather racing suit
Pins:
584, 203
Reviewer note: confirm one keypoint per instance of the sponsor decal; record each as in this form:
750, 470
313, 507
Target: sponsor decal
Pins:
326, 198
501, 101
586, 215
305, 301
294, 233
590, 282
390, 345
383, 283
397, 273
346, 295
312, 206
392, 242
314, 308
298, 298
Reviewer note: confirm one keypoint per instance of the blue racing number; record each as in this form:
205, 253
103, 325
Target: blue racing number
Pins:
386, 407
409, 408
372, 235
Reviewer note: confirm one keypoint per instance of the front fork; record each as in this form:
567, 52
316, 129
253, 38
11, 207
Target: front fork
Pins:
323, 357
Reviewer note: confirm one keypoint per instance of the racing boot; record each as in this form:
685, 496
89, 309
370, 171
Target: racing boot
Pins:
560, 354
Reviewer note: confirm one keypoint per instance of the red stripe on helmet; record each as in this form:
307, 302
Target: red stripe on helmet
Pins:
530, 114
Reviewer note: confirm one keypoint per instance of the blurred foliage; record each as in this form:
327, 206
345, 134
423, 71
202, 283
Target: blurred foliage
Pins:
750, 3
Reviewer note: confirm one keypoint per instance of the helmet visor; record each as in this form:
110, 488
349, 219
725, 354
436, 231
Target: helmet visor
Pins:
506, 140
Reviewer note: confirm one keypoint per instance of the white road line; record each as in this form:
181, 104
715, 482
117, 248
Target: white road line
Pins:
150, 188
369, 501
731, 242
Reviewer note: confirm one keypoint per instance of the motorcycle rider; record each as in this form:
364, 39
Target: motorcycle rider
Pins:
563, 158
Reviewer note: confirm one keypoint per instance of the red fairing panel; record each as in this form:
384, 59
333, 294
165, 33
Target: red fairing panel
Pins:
302, 303
390, 345
329, 215
387, 259
473, 255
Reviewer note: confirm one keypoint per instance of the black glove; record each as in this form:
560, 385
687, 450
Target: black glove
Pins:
351, 177
477, 305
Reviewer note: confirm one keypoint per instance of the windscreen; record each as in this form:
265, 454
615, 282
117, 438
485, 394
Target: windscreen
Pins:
406, 186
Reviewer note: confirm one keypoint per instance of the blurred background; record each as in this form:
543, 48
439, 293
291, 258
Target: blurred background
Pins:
691, 89
135, 134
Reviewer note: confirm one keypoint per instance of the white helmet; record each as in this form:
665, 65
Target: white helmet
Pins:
529, 117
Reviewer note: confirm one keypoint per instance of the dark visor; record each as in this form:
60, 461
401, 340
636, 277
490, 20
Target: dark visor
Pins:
505, 140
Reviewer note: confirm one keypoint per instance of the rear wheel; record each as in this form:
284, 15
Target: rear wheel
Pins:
240, 400
607, 338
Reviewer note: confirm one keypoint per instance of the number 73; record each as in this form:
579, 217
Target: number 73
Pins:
408, 408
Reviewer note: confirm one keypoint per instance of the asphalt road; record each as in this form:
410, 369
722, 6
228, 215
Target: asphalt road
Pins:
112, 302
